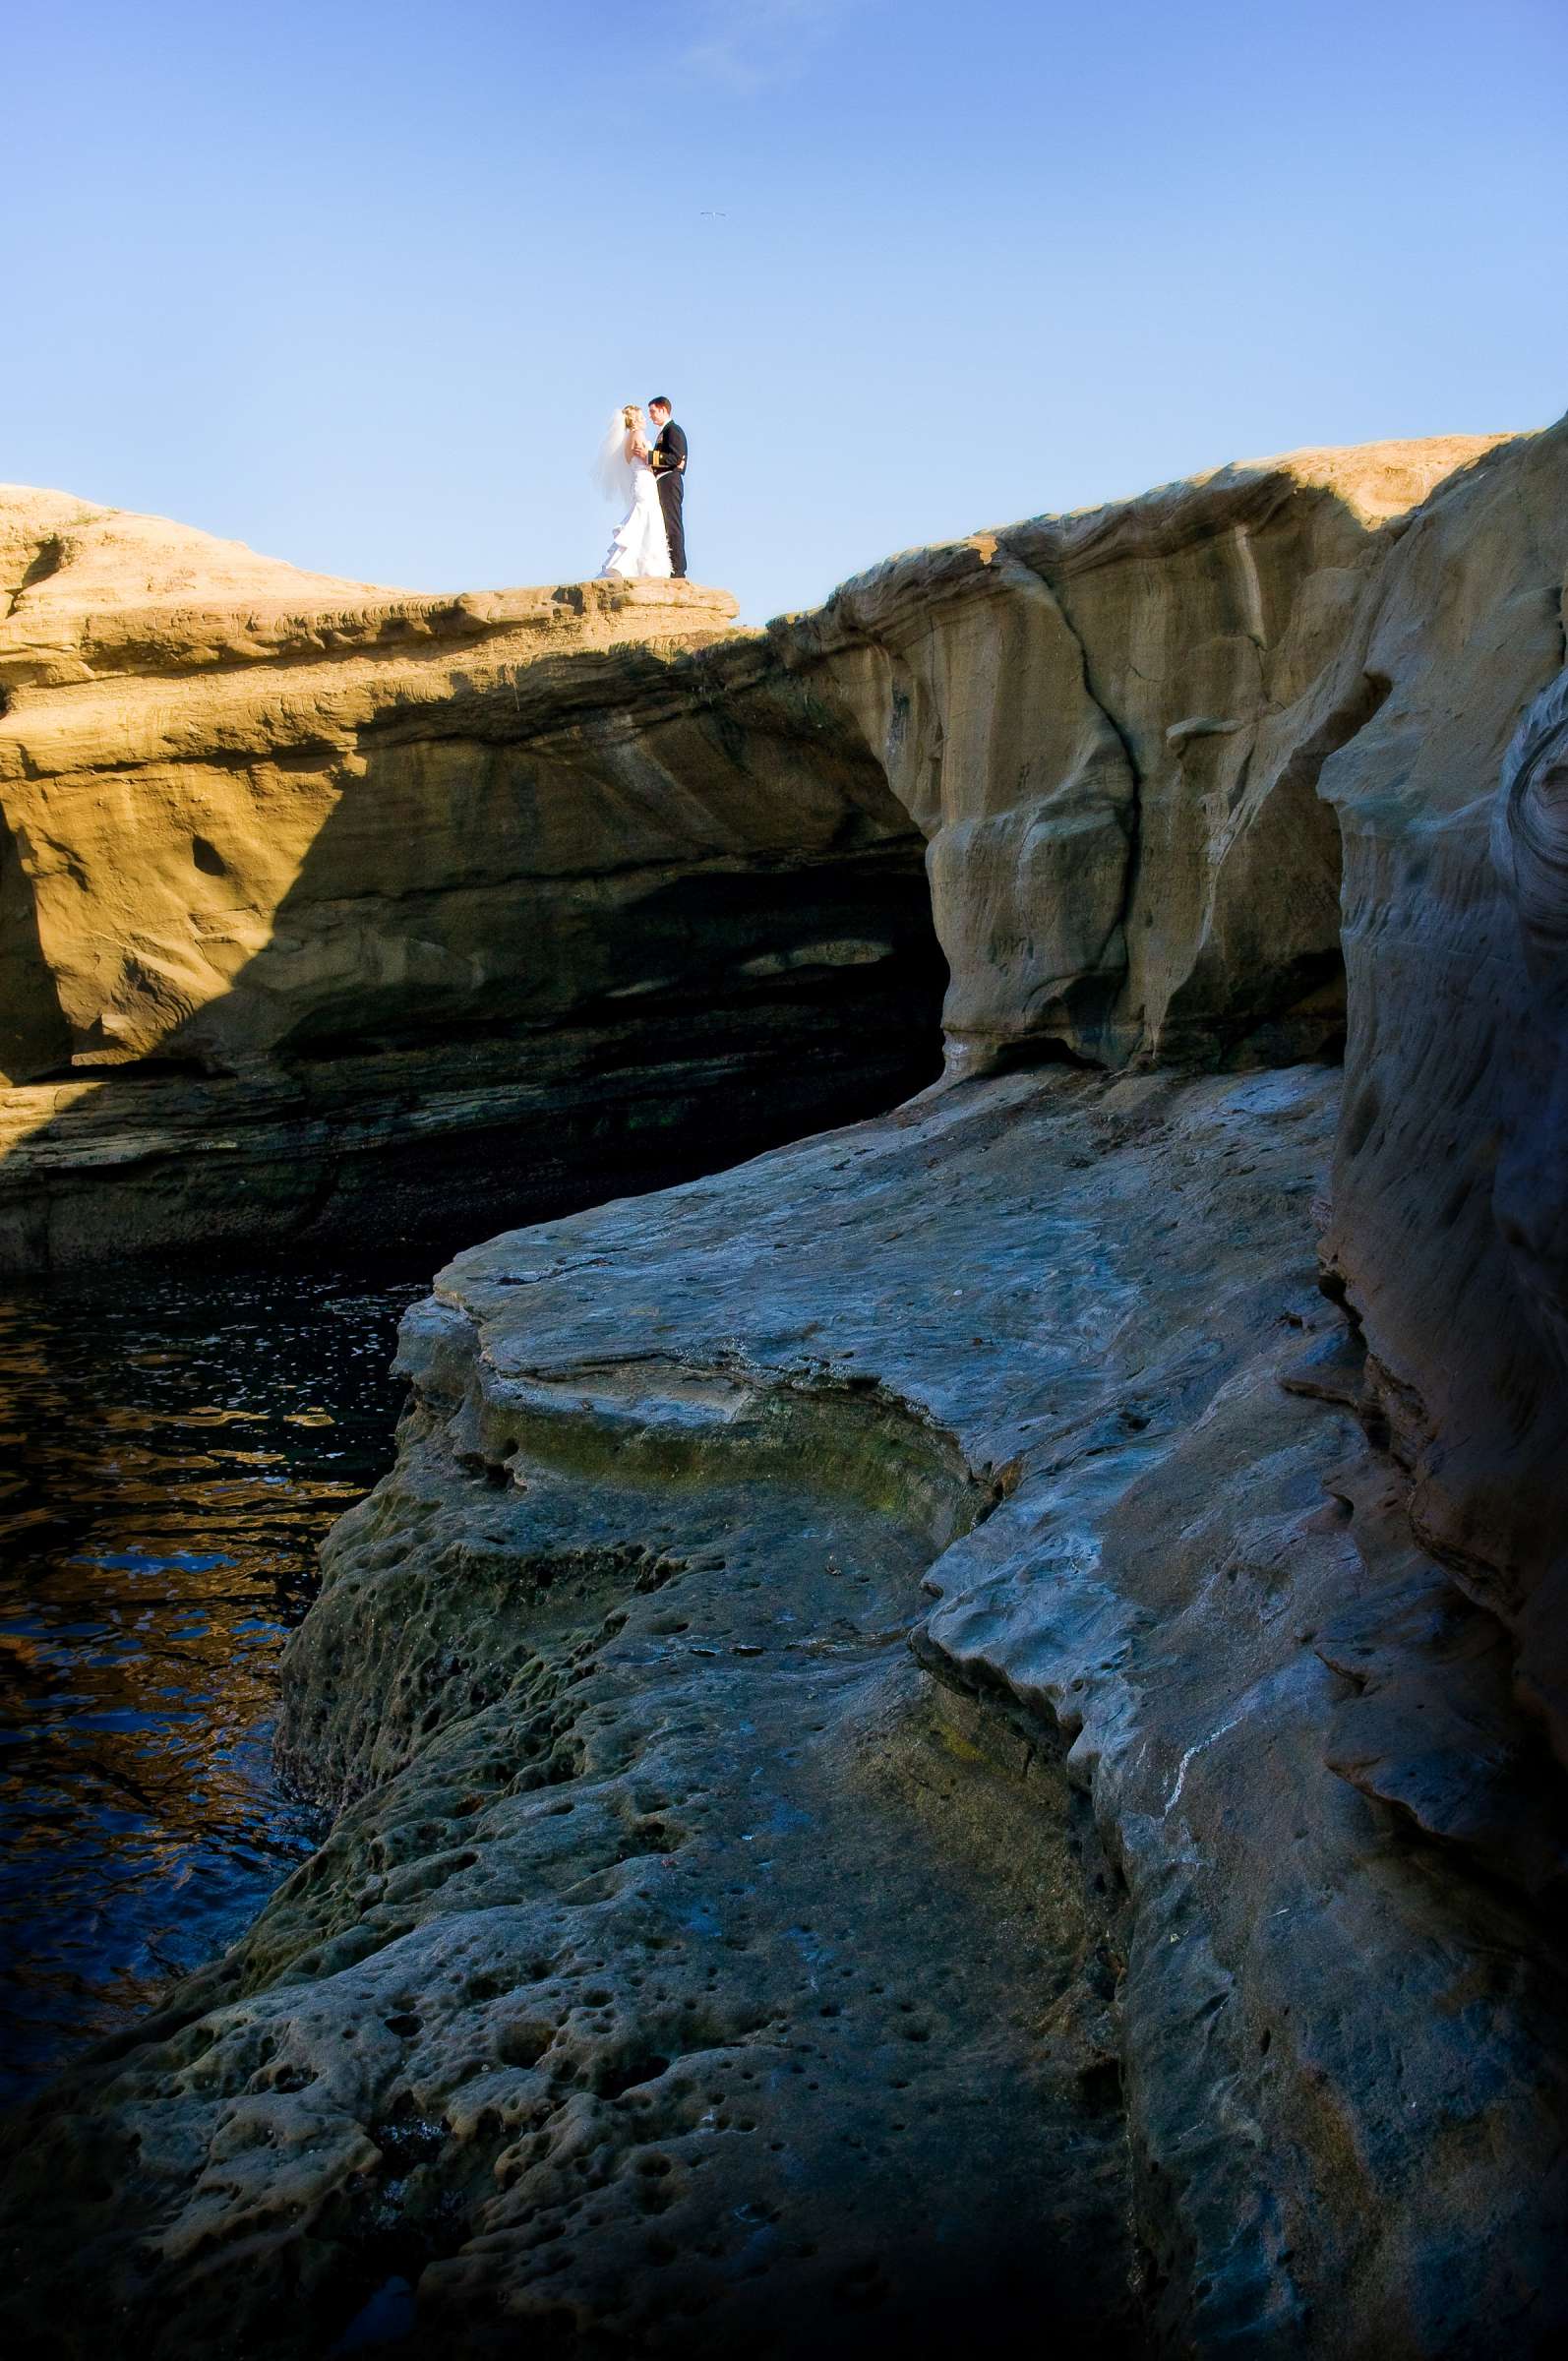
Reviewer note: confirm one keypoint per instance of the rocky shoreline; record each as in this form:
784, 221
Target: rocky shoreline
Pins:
959, 1725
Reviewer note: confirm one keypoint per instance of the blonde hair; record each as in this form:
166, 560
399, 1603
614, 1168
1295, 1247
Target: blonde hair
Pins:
631, 414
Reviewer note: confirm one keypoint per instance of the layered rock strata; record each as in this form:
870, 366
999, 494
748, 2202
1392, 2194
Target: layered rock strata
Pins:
331, 910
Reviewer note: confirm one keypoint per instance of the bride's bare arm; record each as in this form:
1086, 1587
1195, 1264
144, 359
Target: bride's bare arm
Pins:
636, 448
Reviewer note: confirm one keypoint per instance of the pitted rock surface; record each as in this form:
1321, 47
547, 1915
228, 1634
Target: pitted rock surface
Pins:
686, 1966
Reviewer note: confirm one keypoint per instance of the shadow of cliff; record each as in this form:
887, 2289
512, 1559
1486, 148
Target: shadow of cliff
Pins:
520, 968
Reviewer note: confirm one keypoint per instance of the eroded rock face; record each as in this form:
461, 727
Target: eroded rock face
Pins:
1092, 718
329, 907
1451, 1171
326, 905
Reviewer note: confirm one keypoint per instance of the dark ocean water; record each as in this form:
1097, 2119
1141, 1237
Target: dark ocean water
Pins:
174, 1447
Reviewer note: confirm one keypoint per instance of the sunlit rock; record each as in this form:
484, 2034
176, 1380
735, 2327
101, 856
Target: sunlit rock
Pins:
331, 909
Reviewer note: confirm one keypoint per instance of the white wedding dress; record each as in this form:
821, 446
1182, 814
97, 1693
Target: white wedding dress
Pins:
639, 551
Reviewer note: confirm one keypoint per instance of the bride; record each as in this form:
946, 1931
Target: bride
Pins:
623, 473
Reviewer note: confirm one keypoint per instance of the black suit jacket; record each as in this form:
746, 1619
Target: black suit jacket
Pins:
669, 452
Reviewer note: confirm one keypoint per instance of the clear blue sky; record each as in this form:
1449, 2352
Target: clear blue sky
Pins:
358, 280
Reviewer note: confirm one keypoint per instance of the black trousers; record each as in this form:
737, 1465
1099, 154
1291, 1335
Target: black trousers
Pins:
672, 492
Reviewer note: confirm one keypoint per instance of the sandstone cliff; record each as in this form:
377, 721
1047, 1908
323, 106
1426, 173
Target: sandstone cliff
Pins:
330, 908
1093, 719
952, 1725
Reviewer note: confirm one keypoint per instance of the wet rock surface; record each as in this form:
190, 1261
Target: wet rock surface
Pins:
684, 1972
693, 1962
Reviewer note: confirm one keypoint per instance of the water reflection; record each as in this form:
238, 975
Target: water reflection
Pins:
171, 1451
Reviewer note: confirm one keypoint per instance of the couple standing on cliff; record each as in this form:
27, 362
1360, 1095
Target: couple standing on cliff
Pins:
649, 480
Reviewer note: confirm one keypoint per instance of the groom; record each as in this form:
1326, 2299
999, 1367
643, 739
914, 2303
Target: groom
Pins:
669, 465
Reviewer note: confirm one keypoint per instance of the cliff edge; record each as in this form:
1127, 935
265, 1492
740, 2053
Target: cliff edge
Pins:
333, 910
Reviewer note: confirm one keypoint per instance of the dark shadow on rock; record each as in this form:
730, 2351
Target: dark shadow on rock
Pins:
536, 955
34, 1034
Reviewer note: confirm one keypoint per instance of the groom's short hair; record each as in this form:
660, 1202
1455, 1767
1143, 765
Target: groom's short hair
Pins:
662, 402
